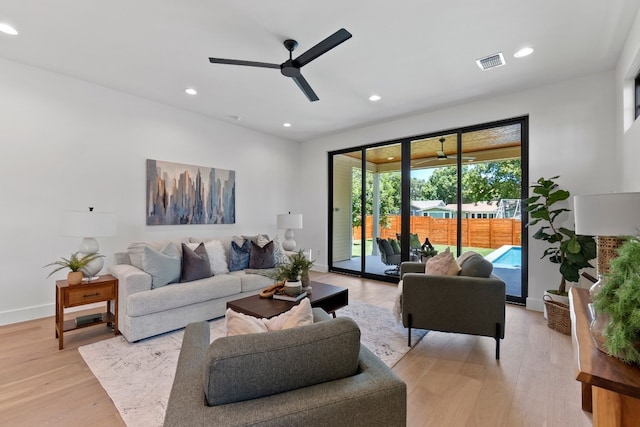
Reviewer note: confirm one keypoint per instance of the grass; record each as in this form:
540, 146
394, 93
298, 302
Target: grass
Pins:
355, 249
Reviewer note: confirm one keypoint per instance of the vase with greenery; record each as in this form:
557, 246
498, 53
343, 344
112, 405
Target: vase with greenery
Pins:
74, 263
619, 298
570, 251
296, 269
427, 250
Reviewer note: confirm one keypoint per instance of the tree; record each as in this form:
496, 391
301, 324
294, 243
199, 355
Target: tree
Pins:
444, 185
491, 181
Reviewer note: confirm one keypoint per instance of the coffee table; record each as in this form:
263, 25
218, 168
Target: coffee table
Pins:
328, 297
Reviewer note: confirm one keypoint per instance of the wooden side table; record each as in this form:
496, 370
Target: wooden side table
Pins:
105, 288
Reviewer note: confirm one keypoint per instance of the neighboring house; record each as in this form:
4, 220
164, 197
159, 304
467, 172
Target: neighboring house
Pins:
432, 208
476, 210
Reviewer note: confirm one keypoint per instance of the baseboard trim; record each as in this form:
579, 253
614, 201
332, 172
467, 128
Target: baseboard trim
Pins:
38, 312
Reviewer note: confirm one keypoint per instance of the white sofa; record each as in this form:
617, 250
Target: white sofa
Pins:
144, 312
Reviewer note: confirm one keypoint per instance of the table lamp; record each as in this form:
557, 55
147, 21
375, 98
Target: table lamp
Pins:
289, 222
89, 225
610, 217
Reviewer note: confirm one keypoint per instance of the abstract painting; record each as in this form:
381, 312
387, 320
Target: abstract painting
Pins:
186, 194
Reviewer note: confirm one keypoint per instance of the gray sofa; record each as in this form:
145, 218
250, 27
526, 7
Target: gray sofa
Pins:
314, 375
144, 312
472, 302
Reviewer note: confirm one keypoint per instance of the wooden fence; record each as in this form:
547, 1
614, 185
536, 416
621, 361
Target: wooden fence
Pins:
476, 232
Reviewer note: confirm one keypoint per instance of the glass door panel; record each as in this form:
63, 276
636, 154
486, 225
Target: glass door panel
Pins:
383, 207
434, 193
491, 187
346, 212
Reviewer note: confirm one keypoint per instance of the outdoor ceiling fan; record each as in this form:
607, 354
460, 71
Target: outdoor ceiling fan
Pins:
291, 67
441, 156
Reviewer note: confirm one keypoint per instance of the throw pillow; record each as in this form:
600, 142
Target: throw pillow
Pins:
163, 266
241, 324
279, 252
217, 257
262, 240
262, 257
394, 245
442, 264
474, 265
195, 263
239, 256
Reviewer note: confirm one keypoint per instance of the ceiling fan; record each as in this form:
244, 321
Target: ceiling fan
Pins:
291, 67
441, 156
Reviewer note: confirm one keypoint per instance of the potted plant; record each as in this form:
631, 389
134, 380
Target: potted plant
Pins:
619, 300
75, 263
297, 269
427, 250
570, 251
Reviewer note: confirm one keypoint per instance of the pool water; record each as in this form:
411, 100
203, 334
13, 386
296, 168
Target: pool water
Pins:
507, 264
511, 258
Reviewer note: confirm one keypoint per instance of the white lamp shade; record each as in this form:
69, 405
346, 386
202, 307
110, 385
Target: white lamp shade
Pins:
290, 221
613, 214
88, 224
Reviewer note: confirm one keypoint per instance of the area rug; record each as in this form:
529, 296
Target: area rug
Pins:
138, 376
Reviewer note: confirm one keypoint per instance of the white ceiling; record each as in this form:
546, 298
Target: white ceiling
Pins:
418, 55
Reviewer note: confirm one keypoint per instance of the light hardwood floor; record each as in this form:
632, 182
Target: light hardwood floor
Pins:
452, 379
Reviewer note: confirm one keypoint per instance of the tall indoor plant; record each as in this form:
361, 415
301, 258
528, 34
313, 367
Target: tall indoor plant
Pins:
572, 252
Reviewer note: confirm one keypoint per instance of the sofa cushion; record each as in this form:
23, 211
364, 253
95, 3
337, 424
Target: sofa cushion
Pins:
442, 264
241, 324
246, 367
262, 257
136, 249
253, 282
239, 256
395, 246
279, 253
195, 263
216, 254
163, 266
474, 265
182, 294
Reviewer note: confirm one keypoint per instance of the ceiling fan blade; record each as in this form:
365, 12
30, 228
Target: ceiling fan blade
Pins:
240, 62
304, 86
323, 47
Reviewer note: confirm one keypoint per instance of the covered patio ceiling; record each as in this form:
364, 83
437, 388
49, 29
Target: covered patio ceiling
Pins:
499, 143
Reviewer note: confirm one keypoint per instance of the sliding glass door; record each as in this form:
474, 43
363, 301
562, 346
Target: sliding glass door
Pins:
460, 189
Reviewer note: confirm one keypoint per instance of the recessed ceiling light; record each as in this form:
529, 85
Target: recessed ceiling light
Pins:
375, 98
190, 91
525, 51
8, 29
287, 125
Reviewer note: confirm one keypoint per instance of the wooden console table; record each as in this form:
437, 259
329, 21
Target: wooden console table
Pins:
610, 388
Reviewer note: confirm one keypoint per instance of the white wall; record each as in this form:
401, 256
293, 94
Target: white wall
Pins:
67, 145
571, 133
627, 128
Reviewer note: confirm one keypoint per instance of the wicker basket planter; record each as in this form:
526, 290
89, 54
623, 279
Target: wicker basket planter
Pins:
558, 317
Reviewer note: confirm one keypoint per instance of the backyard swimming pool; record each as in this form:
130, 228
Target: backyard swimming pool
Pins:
507, 262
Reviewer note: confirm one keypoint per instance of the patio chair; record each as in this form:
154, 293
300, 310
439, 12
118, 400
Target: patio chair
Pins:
414, 246
389, 257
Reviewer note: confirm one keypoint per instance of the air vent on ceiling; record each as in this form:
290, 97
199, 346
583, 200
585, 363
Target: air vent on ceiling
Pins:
491, 61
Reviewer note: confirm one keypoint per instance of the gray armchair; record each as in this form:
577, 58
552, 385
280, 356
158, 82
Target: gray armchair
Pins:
314, 375
472, 302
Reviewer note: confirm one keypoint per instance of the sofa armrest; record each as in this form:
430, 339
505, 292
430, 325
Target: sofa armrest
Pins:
411, 267
463, 304
130, 281
186, 401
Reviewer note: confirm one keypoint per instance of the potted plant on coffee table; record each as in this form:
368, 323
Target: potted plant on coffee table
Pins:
74, 263
296, 270
569, 251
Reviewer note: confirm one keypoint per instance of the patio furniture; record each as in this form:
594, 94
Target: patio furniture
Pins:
389, 257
